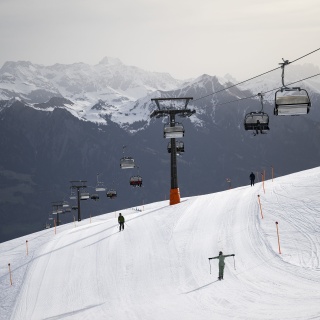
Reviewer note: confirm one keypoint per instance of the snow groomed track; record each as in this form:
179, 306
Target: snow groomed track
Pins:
158, 268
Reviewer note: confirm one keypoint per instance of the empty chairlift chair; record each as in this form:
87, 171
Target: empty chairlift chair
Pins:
84, 195
291, 104
176, 131
291, 101
100, 186
127, 163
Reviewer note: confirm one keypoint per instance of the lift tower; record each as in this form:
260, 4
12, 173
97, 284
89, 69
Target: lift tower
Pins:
172, 131
79, 185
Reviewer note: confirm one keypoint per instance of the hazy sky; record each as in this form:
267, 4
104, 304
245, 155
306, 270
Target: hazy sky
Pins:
185, 38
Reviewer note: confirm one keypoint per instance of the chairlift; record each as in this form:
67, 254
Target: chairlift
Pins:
74, 208
100, 187
94, 196
179, 147
84, 195
72, 195
136, 181
176, 131
291, 101
57, 211
111, 194
126, 162
257, 121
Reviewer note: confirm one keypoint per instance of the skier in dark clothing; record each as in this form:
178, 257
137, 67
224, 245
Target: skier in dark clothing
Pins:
221, 258
252, 177
121, 222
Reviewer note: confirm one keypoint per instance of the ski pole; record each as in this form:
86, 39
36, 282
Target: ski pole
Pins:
234, 263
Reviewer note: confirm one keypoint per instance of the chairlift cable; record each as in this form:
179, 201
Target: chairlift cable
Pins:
255, 95
234, 85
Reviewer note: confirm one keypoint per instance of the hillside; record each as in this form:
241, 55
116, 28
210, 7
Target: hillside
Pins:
158, 267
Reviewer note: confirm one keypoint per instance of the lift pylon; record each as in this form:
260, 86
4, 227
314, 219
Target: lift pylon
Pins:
168, 133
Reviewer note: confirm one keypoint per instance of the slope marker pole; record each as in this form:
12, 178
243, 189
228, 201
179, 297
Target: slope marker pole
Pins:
278, 237
10, 274
260, 206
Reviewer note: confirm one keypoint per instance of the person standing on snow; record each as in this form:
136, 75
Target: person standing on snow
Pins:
121, 221
221, 258
252, 177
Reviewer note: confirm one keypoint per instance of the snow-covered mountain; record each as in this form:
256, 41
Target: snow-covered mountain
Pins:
110, 81
122, 93
158, 267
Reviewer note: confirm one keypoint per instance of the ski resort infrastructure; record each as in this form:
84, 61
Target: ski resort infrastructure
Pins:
158, 267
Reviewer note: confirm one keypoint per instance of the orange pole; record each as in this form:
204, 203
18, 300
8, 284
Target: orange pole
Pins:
260, 207
27, 247
10, 274
278, 237
174, 196
272, 172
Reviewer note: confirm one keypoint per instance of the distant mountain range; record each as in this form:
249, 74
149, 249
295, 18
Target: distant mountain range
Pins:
70, 122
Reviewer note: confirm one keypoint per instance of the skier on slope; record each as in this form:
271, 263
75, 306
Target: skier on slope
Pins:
121, 222
221, 258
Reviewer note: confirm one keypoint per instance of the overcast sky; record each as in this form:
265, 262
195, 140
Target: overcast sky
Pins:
185, 38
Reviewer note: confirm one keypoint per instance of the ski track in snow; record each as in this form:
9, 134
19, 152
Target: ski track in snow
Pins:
157, 268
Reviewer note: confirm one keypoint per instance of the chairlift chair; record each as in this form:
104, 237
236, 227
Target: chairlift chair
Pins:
291, 105
84, 195
176, 131
179, 147
127, 163
94, 196
291, 101
100, 187
111, 194
257, 120
72, 196
57, 211
136, 181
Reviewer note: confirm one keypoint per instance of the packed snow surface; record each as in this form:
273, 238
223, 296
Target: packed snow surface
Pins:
158, 267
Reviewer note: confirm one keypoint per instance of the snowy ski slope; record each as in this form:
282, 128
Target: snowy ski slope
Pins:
158, 268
